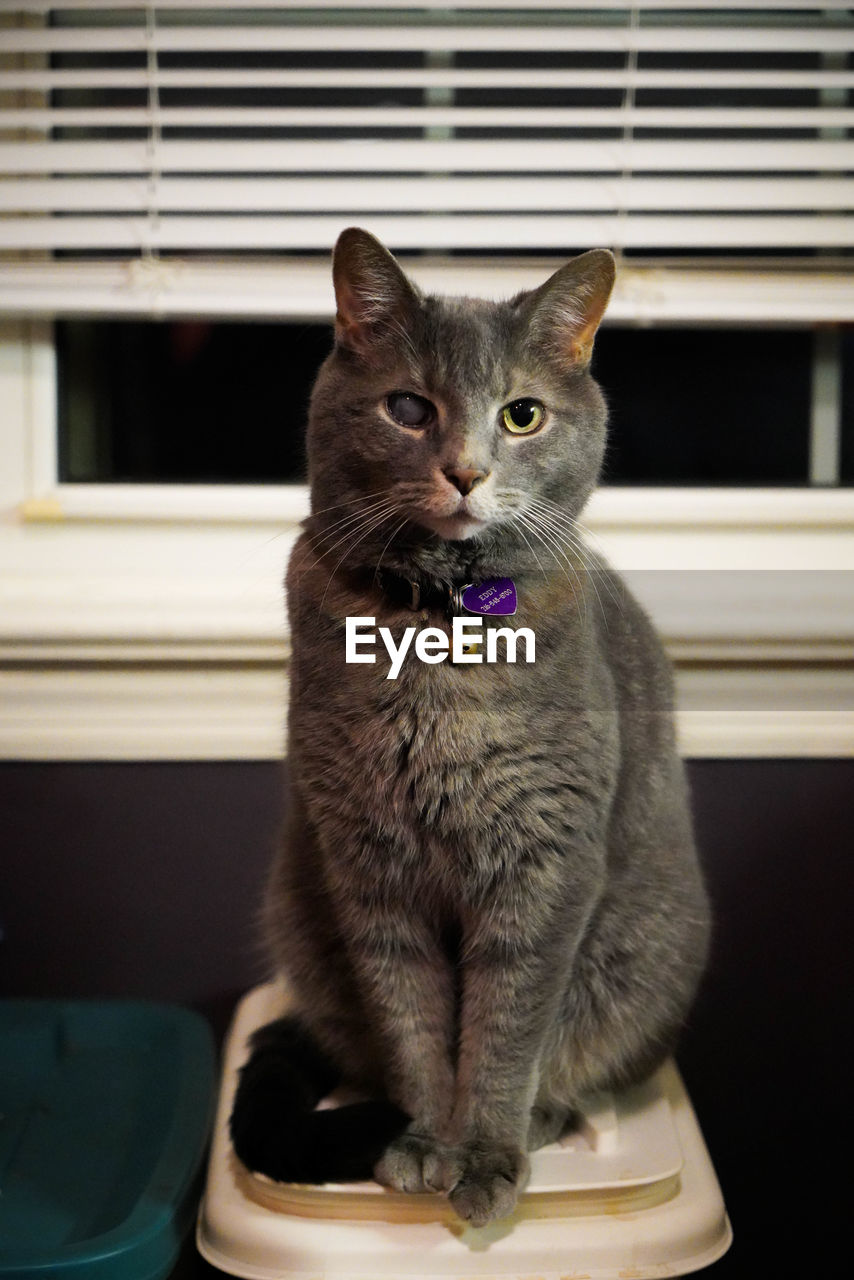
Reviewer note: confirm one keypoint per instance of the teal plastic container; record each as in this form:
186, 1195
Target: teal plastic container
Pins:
105, 1110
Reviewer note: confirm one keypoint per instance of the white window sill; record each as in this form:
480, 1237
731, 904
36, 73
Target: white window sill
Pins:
150, 624
114, 566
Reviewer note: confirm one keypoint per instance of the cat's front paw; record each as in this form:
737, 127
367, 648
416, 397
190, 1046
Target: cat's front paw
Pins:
407, 1164
487, 1183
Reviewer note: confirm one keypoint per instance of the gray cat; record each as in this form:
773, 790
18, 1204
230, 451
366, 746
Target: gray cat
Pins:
488, 901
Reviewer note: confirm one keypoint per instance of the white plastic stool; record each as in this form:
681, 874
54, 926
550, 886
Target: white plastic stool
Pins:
632, 1194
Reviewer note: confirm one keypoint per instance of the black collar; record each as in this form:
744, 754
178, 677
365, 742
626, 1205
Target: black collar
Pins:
416, 593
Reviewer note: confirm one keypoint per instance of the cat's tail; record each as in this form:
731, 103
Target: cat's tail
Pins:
275, 1128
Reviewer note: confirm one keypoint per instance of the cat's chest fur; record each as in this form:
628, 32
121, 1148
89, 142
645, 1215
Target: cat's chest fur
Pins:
447, 768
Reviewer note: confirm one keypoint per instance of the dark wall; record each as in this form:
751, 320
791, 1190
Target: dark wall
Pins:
145, 879
134, 879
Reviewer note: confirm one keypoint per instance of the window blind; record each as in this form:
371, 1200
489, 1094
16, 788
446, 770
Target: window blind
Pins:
186, 128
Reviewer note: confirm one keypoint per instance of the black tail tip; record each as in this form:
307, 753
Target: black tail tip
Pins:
276, 1129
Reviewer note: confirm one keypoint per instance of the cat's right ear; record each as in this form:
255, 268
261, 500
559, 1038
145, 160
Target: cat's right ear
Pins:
565, 312
374, 298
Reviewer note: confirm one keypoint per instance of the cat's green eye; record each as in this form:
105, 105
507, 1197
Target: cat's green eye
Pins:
410, 410
523, 416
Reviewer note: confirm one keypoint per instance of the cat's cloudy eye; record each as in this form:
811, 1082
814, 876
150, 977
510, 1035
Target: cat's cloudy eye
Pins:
409, 409
523, 416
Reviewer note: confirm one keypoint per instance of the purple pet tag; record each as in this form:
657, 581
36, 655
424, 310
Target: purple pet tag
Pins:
494, 596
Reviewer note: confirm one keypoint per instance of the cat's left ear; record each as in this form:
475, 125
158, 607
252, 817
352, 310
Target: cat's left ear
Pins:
565, 312
374, 298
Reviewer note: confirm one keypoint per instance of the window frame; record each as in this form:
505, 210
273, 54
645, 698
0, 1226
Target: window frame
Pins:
148, 622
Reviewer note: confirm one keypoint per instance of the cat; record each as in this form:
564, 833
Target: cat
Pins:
488, 900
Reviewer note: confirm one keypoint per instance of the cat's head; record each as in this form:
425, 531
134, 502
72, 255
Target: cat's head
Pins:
449, 427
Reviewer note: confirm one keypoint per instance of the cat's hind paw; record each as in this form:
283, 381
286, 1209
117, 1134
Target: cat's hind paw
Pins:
548, 1123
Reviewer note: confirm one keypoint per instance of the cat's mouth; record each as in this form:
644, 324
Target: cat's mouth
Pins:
458, 527
455, 525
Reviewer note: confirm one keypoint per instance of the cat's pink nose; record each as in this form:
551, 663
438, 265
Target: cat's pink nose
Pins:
465, 478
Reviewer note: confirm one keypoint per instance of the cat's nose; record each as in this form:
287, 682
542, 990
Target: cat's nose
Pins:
465, 478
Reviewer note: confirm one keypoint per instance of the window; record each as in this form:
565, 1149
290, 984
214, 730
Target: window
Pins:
185, 401
198, 401
170, 170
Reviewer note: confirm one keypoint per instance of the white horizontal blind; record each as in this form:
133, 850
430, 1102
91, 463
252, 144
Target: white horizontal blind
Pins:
657, 128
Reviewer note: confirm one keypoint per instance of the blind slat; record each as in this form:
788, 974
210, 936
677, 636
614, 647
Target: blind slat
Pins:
453, 155
400, 38
382, 78
44, 6
288, 196
398, 117
434, 232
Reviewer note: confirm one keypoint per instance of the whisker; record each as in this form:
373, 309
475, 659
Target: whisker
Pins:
560, 519
350, 517
349, 502
555, 551
569, 530
563, 529
532, 514
519, 520
374, 523
564, 536
395, 531
590, 569
348, 523
370, 518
